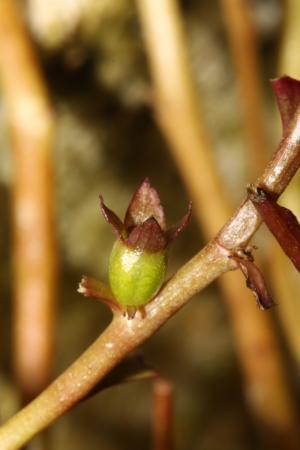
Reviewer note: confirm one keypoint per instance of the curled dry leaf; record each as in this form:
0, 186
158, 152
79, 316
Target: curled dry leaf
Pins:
254, 279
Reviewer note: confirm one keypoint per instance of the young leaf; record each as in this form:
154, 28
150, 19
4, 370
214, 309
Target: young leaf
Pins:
287, 91
282, 223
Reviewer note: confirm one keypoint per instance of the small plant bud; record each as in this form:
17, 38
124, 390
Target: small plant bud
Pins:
138, 260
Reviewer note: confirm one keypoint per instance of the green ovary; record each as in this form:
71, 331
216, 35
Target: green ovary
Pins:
135, 275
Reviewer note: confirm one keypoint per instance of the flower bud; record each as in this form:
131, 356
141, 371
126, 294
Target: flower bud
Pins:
135, 275
138, 260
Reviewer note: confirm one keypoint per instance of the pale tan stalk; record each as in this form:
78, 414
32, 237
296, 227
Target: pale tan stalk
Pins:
30, 121
179, 117
242, 42
289, 62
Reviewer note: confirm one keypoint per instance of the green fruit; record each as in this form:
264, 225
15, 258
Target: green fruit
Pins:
135, 275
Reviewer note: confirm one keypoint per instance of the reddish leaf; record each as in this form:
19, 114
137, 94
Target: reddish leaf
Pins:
282, 223
144, 204
255, 281
176, 229
287, 91
147, 236
112, 219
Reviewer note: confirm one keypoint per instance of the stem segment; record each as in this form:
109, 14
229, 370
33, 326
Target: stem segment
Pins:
114, 344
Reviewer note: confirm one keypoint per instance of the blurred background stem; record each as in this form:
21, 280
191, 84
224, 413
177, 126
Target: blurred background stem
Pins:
162, 414
285, 279
30, 120
179, 117
289, 62
243, 46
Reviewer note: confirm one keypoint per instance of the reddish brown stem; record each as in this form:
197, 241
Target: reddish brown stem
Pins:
162, 415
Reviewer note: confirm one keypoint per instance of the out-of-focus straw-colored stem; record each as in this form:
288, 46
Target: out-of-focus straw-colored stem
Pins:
34, 252
289, 61
162, 415
284, 277
286, 288
179, 118
242, 41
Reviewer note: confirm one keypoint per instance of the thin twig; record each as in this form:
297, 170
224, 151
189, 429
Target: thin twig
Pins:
34, 252
162, 415
181, 122
123, 335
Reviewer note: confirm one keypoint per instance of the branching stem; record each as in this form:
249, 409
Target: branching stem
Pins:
122, 335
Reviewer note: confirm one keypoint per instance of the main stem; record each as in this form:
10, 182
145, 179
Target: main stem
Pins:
120, 337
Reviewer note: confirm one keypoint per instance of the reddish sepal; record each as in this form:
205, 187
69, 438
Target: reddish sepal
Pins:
147, 236
145, 203
112, 219
176, 229
144, 224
